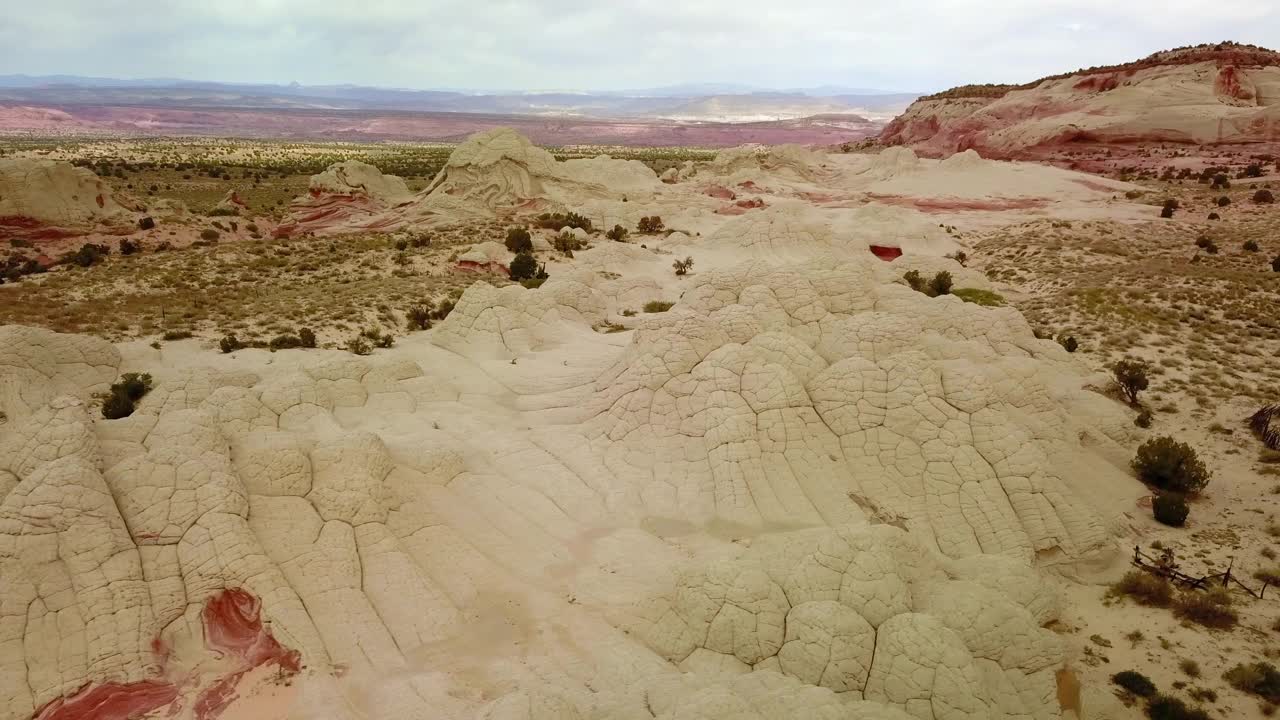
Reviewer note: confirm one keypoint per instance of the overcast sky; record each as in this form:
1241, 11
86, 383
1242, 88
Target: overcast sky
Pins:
610, 44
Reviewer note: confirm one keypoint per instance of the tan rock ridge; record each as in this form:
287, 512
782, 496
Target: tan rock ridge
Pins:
1210, 94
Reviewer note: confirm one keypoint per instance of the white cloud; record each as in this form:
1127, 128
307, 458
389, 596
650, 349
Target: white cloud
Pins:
906, 44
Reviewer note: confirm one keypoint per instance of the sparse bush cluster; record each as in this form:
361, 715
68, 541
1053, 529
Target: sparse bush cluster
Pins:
123, 396
88, 255
1260, 678
649, 225
304, 338
1265, 423
519, 240
566, 242
1170, 466
1131, 378
940, 284
682, 267
618, 233
422, 315
559, 221
525, 267
657, 306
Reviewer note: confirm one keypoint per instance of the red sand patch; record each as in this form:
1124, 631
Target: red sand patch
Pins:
232, 629
110, 701
940, 205
886, 253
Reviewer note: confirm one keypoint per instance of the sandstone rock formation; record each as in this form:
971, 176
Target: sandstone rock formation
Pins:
349, 196
805, 490
44, 199
1223, 94
898, 466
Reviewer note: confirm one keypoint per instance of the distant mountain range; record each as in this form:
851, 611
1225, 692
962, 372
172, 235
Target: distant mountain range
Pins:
707, 102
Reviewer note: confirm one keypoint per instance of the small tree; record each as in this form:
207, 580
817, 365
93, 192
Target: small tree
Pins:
524, 267
1170, 509
618, 233
1131, 376
1170, 465
682, 267
519, 240
1220, 182
418, 317
940, 284
914, 280
650, 225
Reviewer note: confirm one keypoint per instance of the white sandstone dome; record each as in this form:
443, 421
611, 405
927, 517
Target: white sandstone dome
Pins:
48, 199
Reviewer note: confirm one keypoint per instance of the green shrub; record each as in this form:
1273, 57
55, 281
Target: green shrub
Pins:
1275, 264
171, 335
443, 309
146, 223
1224, 201
124, 395
358, 345
1135, 682
940, 284
418, 317
985, 298
1144, 419
307, 337
223, 212
379, 338
1210, 608
1143, 588
566, 242
618, 233
284, 342
88, 255
915, 281
229, 344
1166, 212
1164, 707
524, 266
1069, 343
649, 225
556, 221
519, 240
1170, 509
1260, 678
1264, 197
1170, 465
657, 306
1131, 377
1251, 246
209, 235
533, 283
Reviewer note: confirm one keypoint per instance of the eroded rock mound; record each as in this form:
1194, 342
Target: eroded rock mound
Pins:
347, 197
44, 199
1206, 95
805, 488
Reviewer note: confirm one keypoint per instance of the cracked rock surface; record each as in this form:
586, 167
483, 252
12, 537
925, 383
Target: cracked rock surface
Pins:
803, 486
